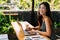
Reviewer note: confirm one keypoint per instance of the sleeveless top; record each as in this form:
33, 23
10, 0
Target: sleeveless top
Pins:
43, 28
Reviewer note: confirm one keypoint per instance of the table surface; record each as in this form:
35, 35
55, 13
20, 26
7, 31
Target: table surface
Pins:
20, 34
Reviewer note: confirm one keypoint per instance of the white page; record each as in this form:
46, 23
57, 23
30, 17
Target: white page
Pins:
24, 23
16, 27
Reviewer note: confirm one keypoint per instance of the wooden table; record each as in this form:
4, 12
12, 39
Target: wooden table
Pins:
19, 31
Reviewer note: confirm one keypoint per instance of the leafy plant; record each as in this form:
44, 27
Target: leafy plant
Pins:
54, 4
57, 25
5, 24
3, 1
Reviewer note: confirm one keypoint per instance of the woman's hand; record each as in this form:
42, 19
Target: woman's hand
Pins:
36, 28
32, 32
28, 28
36, 31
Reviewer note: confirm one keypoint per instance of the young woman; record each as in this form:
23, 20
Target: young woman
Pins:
45, 21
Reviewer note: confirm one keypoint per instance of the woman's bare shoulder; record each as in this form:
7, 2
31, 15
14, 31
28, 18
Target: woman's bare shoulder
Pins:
48, 19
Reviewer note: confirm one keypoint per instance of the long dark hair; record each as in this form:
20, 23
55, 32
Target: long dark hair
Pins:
48, 12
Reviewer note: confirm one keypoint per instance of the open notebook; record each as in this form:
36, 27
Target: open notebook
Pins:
24, 23
28, 36
23, 27
20, 27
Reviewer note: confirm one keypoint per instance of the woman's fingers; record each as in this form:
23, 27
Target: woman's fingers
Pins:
31, 32
28, 29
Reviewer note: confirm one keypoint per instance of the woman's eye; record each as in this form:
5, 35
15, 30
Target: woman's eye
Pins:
44, 7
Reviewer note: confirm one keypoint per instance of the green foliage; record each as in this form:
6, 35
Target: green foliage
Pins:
57, 25
54, 4
23, 4
5, 24
27, 4
3, 1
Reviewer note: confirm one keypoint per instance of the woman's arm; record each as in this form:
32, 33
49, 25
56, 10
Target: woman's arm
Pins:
48, 28
37, 27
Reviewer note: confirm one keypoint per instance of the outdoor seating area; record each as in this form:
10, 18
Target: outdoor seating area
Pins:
12, 12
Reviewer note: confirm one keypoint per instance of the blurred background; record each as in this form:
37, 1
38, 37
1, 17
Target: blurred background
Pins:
27, 5
25, 10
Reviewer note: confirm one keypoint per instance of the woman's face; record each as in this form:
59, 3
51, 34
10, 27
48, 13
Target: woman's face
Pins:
42, 9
